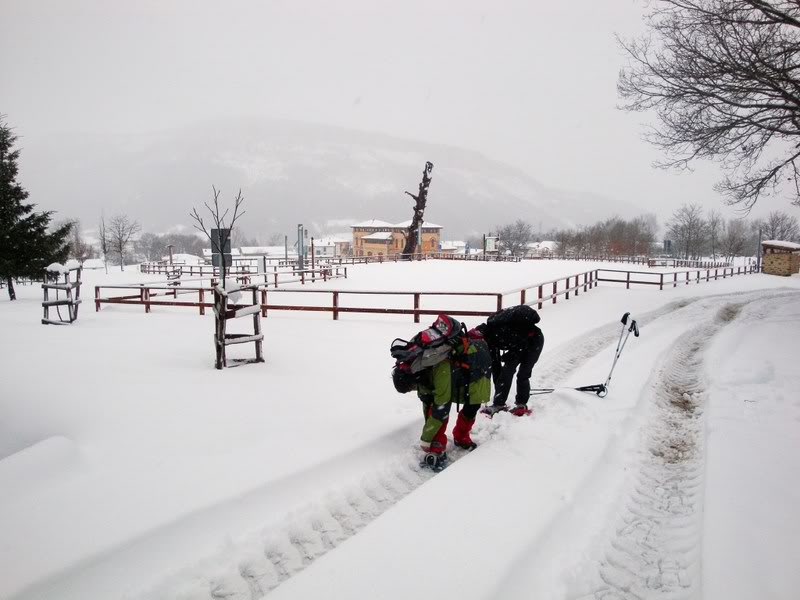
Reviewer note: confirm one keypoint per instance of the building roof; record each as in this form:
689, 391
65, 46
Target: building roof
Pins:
373, 223
790, 246
425, 225
453, 245
378, 236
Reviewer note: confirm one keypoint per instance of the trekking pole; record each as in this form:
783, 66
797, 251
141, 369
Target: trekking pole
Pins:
635, 329
601, 389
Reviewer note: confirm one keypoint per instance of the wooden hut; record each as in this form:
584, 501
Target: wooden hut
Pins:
780, 258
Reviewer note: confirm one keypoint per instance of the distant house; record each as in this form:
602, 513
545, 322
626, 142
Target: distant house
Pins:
332, 246
453, 247
540, 249
780, 258
379, 238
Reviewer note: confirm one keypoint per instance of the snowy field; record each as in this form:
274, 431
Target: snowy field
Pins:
130, 468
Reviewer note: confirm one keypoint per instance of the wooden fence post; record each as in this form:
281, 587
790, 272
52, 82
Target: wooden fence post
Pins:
540, 297
416, 307
335, 306
675, 279
522, 296
97, 298
577, 285
628, 280
661, 282
499, 301
202, 300
264, 302
555, 291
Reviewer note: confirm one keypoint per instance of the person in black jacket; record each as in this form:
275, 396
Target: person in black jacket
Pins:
515, 342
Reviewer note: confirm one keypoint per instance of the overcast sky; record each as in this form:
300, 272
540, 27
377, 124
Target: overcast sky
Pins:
529, 83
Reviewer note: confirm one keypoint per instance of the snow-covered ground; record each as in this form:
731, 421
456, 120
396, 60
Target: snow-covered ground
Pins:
130, 468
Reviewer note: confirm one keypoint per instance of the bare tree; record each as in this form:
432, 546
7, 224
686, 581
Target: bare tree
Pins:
514, 237
79, 249
121, 230
715, 226
105, 243
722, 77
218, 222
780, 226
420, 200
734, 238
688, 230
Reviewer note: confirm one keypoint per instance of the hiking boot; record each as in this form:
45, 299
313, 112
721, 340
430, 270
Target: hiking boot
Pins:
494, 408
520, 410
466, 445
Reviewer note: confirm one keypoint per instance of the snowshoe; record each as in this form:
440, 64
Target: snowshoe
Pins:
490, 411
435, 461
468, 445
520, 410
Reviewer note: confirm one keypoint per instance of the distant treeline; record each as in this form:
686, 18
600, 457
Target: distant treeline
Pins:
689, 234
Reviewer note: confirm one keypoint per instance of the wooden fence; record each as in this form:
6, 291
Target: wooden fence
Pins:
537, 294
663, 280
691, 264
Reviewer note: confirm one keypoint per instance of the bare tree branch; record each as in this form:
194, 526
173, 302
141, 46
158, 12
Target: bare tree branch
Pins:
722, 78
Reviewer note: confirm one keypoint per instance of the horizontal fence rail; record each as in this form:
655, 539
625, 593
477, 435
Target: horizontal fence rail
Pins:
672, 279
406, 302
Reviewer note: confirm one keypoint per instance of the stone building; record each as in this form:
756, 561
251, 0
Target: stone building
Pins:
780, 258
379, 238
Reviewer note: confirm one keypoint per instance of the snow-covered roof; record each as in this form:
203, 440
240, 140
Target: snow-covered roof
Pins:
544, 245
425, 225
378, 236
781, 244
234, 252
453, 245
265, 250
187, 259
258, 250
373, 223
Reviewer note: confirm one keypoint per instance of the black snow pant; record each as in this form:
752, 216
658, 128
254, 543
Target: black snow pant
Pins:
523, 358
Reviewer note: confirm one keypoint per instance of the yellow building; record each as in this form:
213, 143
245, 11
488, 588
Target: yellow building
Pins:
379, 238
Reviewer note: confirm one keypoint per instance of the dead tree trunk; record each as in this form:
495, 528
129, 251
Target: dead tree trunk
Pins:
419, 208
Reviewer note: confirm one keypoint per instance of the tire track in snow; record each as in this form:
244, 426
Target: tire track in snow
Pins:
253, 567
277, 555
655, 546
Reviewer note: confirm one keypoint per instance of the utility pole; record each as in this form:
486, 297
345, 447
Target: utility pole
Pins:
758, 259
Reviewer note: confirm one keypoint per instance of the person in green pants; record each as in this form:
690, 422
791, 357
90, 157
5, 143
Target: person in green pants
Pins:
462, 377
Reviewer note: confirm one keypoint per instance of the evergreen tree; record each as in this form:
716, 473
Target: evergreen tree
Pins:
26, 245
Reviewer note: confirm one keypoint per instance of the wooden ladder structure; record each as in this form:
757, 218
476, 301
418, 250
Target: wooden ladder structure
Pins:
71, 302
223, 312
